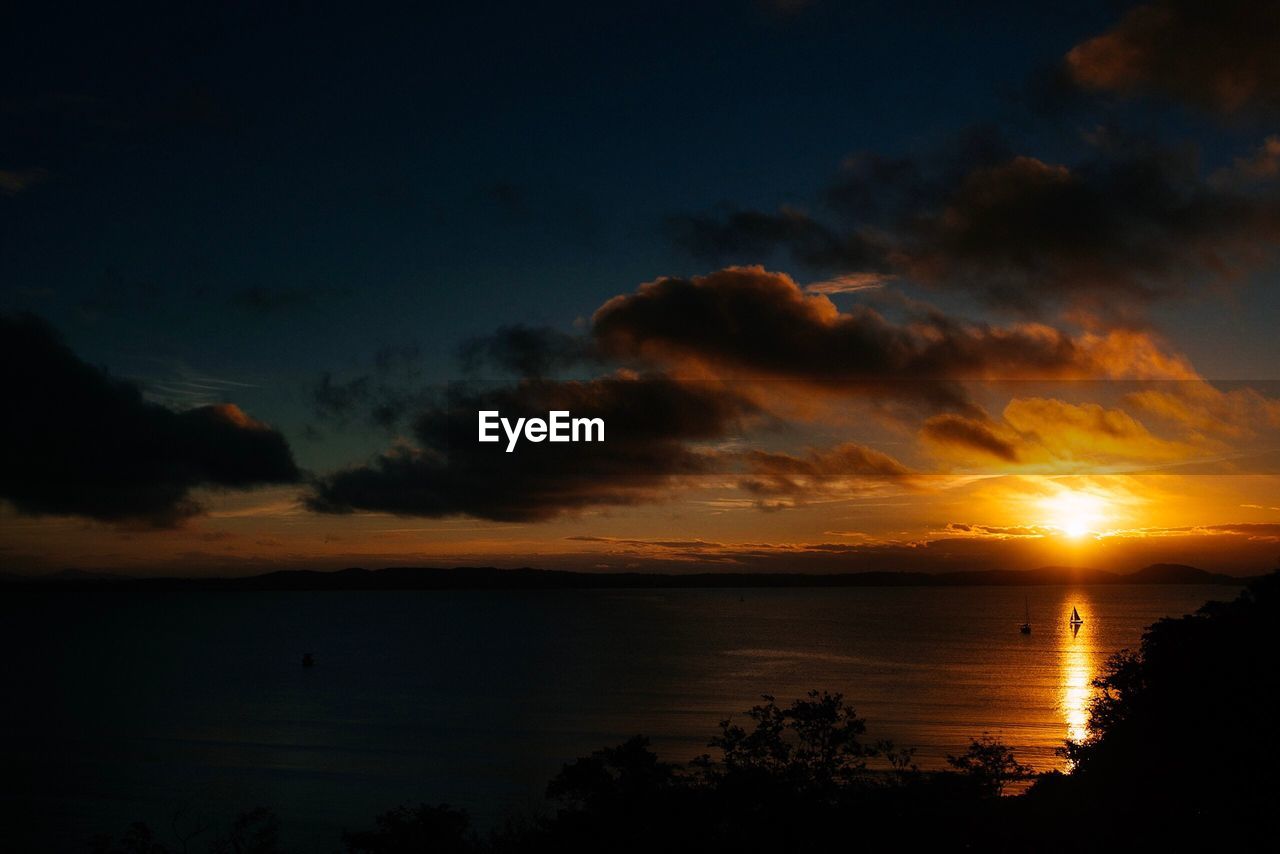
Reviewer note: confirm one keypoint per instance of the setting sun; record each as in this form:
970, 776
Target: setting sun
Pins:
1074, 514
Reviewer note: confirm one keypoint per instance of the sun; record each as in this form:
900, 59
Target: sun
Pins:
1073, 514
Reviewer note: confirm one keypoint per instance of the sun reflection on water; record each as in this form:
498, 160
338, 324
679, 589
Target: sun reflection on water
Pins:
1077, 657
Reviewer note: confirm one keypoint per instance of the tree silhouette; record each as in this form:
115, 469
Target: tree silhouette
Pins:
615, 774
990, 764
813, 744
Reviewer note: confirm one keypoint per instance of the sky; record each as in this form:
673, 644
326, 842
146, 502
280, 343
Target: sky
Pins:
853, 285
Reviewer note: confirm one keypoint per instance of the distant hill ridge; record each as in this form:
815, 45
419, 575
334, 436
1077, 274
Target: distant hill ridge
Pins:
493, 578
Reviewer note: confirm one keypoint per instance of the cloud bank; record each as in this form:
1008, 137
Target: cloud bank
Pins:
77, 441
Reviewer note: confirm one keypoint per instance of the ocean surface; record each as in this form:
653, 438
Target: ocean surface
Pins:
181, 709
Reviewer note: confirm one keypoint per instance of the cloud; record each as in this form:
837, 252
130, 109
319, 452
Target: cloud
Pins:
1219, 56
1124, 224
652, 425
1039, 433
777, 480
1089, 433
1199, 408
699, 362
849, 283
783, 342
77, 441
998, 531
526, 351
749, 323
1258, 167
757, 234
949, 431
381, 396
698, 545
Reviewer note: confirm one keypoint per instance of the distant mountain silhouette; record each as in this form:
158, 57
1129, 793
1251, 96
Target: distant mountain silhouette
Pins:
492, 578
1177, 573
64, 575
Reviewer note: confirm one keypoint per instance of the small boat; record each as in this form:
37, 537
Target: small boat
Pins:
1025, 628
1076, 619
308, 660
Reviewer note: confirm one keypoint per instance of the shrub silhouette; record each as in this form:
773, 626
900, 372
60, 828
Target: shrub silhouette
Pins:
414, 830
255, 831
990, 764
812, 745
619, 774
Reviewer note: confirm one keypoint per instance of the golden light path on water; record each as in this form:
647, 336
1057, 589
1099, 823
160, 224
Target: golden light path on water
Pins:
1078, 666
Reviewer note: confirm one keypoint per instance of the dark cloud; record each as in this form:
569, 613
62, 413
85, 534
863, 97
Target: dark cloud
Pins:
999, 530
747, 328
1131, 223
77, 441
364, 398
1127, 223
1218, 56
651, 423
778, 480
890, 190
756, 235
337, 400
968, 434
749, 323
381, 396
845, 459
526, 351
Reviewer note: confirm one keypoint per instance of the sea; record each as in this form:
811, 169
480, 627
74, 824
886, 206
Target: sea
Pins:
182, 709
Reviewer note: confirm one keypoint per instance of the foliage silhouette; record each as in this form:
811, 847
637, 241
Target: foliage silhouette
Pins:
812, 744
1183, 737
990, 765
255, 831
411, 830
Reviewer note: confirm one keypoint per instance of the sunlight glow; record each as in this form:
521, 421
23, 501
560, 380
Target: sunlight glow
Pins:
1074, 514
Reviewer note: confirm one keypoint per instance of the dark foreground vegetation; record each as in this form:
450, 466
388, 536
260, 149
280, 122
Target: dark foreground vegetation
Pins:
1183, 757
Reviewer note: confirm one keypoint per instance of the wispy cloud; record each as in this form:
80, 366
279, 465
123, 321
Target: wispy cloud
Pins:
849, 283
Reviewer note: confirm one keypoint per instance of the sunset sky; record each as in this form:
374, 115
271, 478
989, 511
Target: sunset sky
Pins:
853, 285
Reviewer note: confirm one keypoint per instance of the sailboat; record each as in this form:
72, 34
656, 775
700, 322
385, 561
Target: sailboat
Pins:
1076, 619
1026, 624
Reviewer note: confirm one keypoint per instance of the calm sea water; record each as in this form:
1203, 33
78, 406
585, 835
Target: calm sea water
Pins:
183, 708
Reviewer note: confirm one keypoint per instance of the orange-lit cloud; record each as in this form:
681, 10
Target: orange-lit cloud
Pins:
1218, 56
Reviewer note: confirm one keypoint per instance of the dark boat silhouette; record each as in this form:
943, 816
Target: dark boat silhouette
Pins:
1025, 628
308, 660
1076, 619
